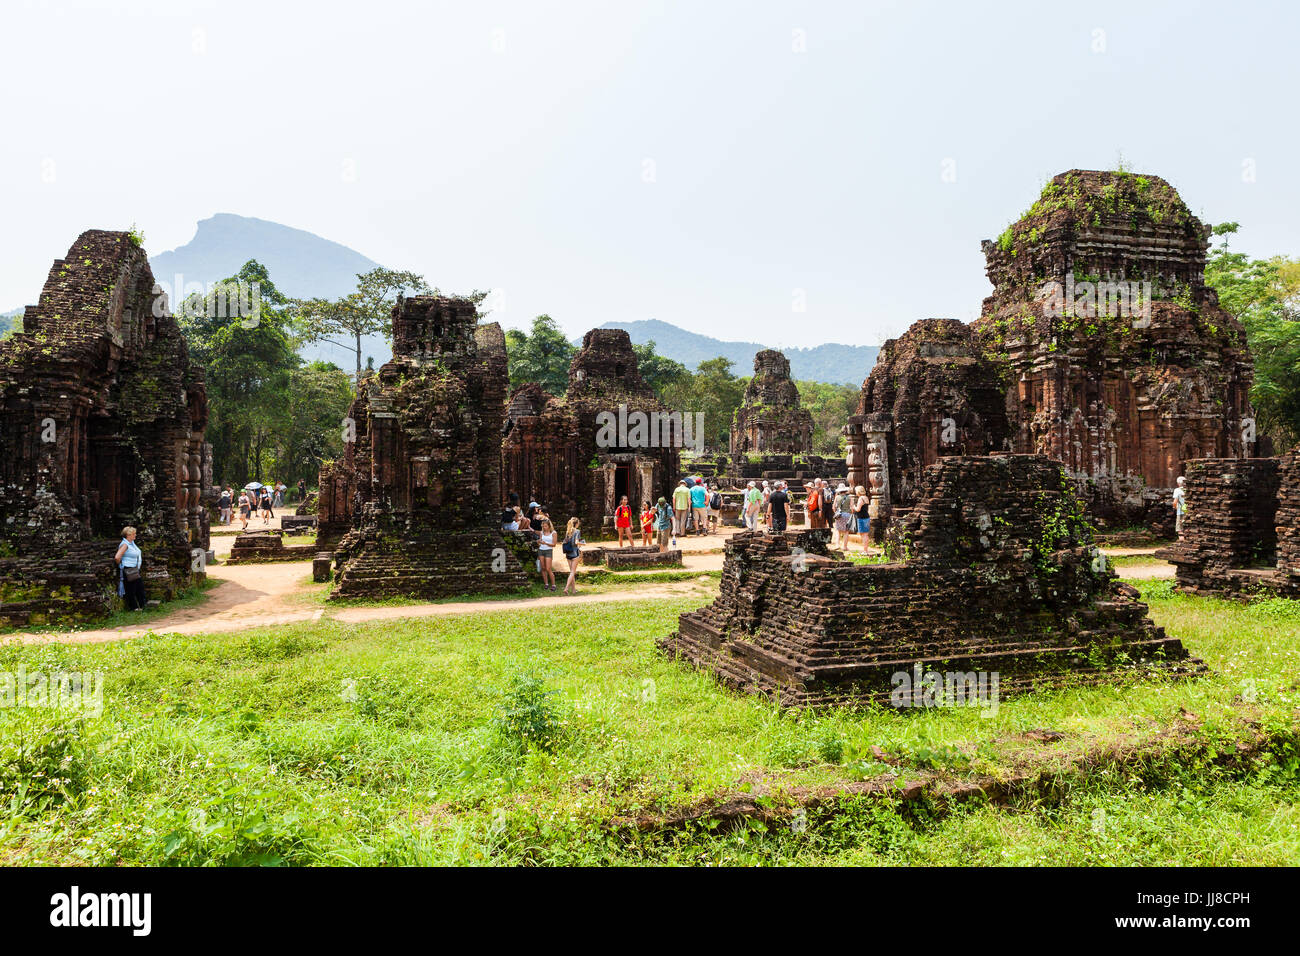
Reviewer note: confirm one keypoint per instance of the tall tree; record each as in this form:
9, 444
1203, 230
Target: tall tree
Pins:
1264, 295
248, 360
542, 355
830, 405
364, 312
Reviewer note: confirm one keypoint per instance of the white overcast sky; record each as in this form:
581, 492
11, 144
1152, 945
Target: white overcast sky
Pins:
508, 145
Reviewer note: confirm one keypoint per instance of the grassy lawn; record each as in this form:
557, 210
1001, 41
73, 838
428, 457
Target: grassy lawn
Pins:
535, 737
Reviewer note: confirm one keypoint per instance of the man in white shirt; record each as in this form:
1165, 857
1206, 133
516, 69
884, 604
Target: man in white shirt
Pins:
1180, 505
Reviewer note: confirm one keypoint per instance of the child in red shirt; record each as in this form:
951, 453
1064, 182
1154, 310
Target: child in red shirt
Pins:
623, 522
647, 522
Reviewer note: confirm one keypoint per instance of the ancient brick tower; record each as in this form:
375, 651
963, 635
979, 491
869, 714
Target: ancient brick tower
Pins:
420, 485
995, 574
769, 419
557, 452
101, 426
1112, 354
930, 394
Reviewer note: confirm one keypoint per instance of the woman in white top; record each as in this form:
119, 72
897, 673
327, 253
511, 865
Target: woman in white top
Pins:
546, 552
130, 571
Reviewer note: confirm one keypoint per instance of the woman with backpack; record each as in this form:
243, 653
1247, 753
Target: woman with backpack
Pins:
245, 508
572, 551
861, 512
130, 573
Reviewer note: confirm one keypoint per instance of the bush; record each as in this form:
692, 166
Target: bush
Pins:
529, 715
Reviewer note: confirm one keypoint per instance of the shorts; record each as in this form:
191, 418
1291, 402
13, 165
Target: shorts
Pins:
545, 552
843, 521
864, 525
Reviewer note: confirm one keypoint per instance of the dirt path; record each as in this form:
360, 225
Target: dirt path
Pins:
266, 595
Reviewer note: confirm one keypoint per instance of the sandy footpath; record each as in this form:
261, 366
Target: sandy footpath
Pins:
265, 595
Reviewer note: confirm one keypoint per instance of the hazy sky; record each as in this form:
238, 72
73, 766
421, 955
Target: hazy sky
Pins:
710, 164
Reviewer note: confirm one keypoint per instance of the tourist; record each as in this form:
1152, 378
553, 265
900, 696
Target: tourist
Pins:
545, 553
647, 521
521, 519
267, 513
767, 496
623, 522
715, 508
681, 509
572, 548
664, 523
223, 503
778, 509
1180, 505
700, 508
130, 574
278, 501
245, 509
753, 497
843, 511
509, 519
862, 515
302, 490
531, 513
813, 503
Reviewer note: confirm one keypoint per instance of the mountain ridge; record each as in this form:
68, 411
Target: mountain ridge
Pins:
830, 362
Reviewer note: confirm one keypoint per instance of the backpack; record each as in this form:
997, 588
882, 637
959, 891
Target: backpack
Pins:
569, 547
716, 501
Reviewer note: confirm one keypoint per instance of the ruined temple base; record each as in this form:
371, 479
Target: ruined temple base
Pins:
804, 627
385, 559
261, 546
76, 586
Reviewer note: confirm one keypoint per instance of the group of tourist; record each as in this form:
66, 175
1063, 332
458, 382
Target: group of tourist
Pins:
250, 501
536, 523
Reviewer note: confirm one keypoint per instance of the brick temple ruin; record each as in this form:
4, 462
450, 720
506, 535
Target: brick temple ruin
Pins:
1241, 531
561, 451
102, 420
770, 419
996, 575
416, 495
1112, 356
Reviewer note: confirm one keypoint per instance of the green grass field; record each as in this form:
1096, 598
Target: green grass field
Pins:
539, 737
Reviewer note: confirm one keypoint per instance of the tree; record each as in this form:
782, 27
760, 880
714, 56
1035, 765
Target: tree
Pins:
541, 356
317, 402
659, 372
248, 360
1264, 295
830, 405
714, 391
364, 312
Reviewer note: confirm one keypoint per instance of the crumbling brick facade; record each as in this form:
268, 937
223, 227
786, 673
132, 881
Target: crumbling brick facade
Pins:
996, 574
770, 419
421, 481
1112, 354
1241, 531
101, 426
579, 453
932, 393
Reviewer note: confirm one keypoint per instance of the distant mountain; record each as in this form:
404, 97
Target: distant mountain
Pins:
11, 319
301, 264
840, 364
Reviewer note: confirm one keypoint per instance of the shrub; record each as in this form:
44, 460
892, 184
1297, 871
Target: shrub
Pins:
530, 715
